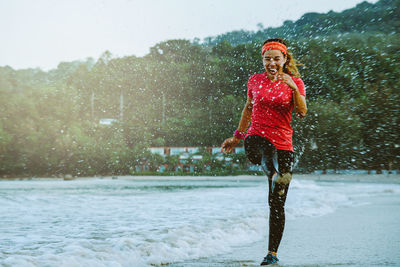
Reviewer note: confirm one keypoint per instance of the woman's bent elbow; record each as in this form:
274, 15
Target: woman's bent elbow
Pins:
302, 113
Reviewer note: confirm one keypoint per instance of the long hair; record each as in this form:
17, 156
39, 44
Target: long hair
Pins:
290, 67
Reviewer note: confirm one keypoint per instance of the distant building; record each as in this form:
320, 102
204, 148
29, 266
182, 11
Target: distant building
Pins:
172, 151
187, 158
106, 121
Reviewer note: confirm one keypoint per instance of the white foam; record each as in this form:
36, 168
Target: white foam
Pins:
310, 198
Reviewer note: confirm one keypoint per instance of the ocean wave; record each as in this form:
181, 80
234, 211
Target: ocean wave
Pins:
163, 246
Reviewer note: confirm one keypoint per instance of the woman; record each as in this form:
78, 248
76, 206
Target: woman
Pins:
271, 97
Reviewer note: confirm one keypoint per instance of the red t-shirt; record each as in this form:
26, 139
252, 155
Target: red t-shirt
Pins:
272, 109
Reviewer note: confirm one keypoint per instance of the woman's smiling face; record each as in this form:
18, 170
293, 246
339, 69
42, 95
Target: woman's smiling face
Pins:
273, 61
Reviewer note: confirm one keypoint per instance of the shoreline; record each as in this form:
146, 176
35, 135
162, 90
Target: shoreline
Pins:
355, 178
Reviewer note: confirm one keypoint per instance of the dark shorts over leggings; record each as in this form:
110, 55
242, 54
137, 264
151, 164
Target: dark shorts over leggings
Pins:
256, 145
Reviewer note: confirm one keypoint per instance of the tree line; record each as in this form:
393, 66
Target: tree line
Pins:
382, 17
186, 94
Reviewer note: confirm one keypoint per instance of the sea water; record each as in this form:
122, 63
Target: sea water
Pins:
130, 222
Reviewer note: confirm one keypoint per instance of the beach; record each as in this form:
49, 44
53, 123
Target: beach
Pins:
332, 220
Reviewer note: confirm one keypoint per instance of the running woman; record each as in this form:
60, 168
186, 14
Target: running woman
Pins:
271, 98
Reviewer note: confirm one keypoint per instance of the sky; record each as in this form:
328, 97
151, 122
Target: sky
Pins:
43, 33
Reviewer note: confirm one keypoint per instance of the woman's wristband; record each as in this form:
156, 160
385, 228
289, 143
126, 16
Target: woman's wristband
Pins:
239, 135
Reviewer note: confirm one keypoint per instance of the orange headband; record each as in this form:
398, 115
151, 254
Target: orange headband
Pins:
274, 45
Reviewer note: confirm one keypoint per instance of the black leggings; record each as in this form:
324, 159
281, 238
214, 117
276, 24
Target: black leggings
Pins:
262, 152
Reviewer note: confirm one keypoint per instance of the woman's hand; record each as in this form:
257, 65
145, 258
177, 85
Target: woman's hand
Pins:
285, 78
229, 144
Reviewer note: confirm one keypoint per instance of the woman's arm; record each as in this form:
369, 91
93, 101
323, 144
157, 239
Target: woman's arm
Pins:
246, 116
300, 105
244, 123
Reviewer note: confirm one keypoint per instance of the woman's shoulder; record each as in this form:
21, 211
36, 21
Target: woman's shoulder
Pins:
300, 84
257, 76
296, 79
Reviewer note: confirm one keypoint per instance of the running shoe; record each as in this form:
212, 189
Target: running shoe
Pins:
269, 259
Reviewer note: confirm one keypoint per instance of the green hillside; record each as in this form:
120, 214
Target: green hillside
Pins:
383, 17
